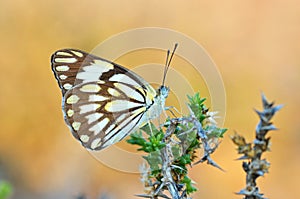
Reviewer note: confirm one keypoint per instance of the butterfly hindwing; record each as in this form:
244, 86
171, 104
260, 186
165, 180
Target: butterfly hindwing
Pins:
100, 113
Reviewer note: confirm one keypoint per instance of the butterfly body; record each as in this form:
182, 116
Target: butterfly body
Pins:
103, 102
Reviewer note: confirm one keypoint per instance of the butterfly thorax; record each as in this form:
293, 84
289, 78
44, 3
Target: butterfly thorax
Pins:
158, 103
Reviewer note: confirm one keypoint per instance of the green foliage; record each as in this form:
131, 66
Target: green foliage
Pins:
215, 131
5, 190
197, 106
154, 141
189, 184
171, 149
154, 160
152, 145
201, 112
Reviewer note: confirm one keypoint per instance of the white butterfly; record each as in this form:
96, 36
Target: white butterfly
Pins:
102, 101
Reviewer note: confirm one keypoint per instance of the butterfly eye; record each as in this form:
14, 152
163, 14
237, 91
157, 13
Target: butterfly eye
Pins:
163, 91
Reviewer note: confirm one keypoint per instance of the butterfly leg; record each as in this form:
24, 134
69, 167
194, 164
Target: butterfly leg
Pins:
168, 108
150, 127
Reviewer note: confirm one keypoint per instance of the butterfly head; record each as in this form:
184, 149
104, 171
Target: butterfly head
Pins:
163, 91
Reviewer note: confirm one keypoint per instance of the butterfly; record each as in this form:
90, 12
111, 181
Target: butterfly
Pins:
102, 101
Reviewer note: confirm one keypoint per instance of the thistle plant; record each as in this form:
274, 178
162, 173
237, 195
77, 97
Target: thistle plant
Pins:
255, 166
174, 147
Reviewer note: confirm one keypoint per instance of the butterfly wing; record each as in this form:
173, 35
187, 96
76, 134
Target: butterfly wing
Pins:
72, 67
102, 101
102, 113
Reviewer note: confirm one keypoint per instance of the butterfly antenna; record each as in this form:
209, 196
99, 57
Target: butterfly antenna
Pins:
168, 62
165, 69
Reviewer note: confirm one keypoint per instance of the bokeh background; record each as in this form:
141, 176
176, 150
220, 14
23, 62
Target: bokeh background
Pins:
255, 45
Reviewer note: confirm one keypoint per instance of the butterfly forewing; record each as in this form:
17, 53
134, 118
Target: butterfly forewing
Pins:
66, 64
72, 67
102, 102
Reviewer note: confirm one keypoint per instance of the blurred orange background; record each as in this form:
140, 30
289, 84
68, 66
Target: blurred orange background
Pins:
255, 45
